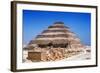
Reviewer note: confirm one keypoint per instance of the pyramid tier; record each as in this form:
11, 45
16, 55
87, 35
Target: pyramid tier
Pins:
58, 26
46, 42
48, 31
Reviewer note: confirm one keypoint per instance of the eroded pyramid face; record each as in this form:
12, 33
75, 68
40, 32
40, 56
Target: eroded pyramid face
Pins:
58, 34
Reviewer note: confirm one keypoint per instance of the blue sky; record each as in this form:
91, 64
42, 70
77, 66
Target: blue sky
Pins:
34, 22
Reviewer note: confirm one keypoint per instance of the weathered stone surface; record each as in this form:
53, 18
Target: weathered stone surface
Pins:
55, 43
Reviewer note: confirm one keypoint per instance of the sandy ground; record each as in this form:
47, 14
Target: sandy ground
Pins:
81, 56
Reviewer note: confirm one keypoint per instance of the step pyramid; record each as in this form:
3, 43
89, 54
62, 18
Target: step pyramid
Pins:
56, 42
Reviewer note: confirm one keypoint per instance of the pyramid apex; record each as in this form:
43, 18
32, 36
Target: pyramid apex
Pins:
59, 22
